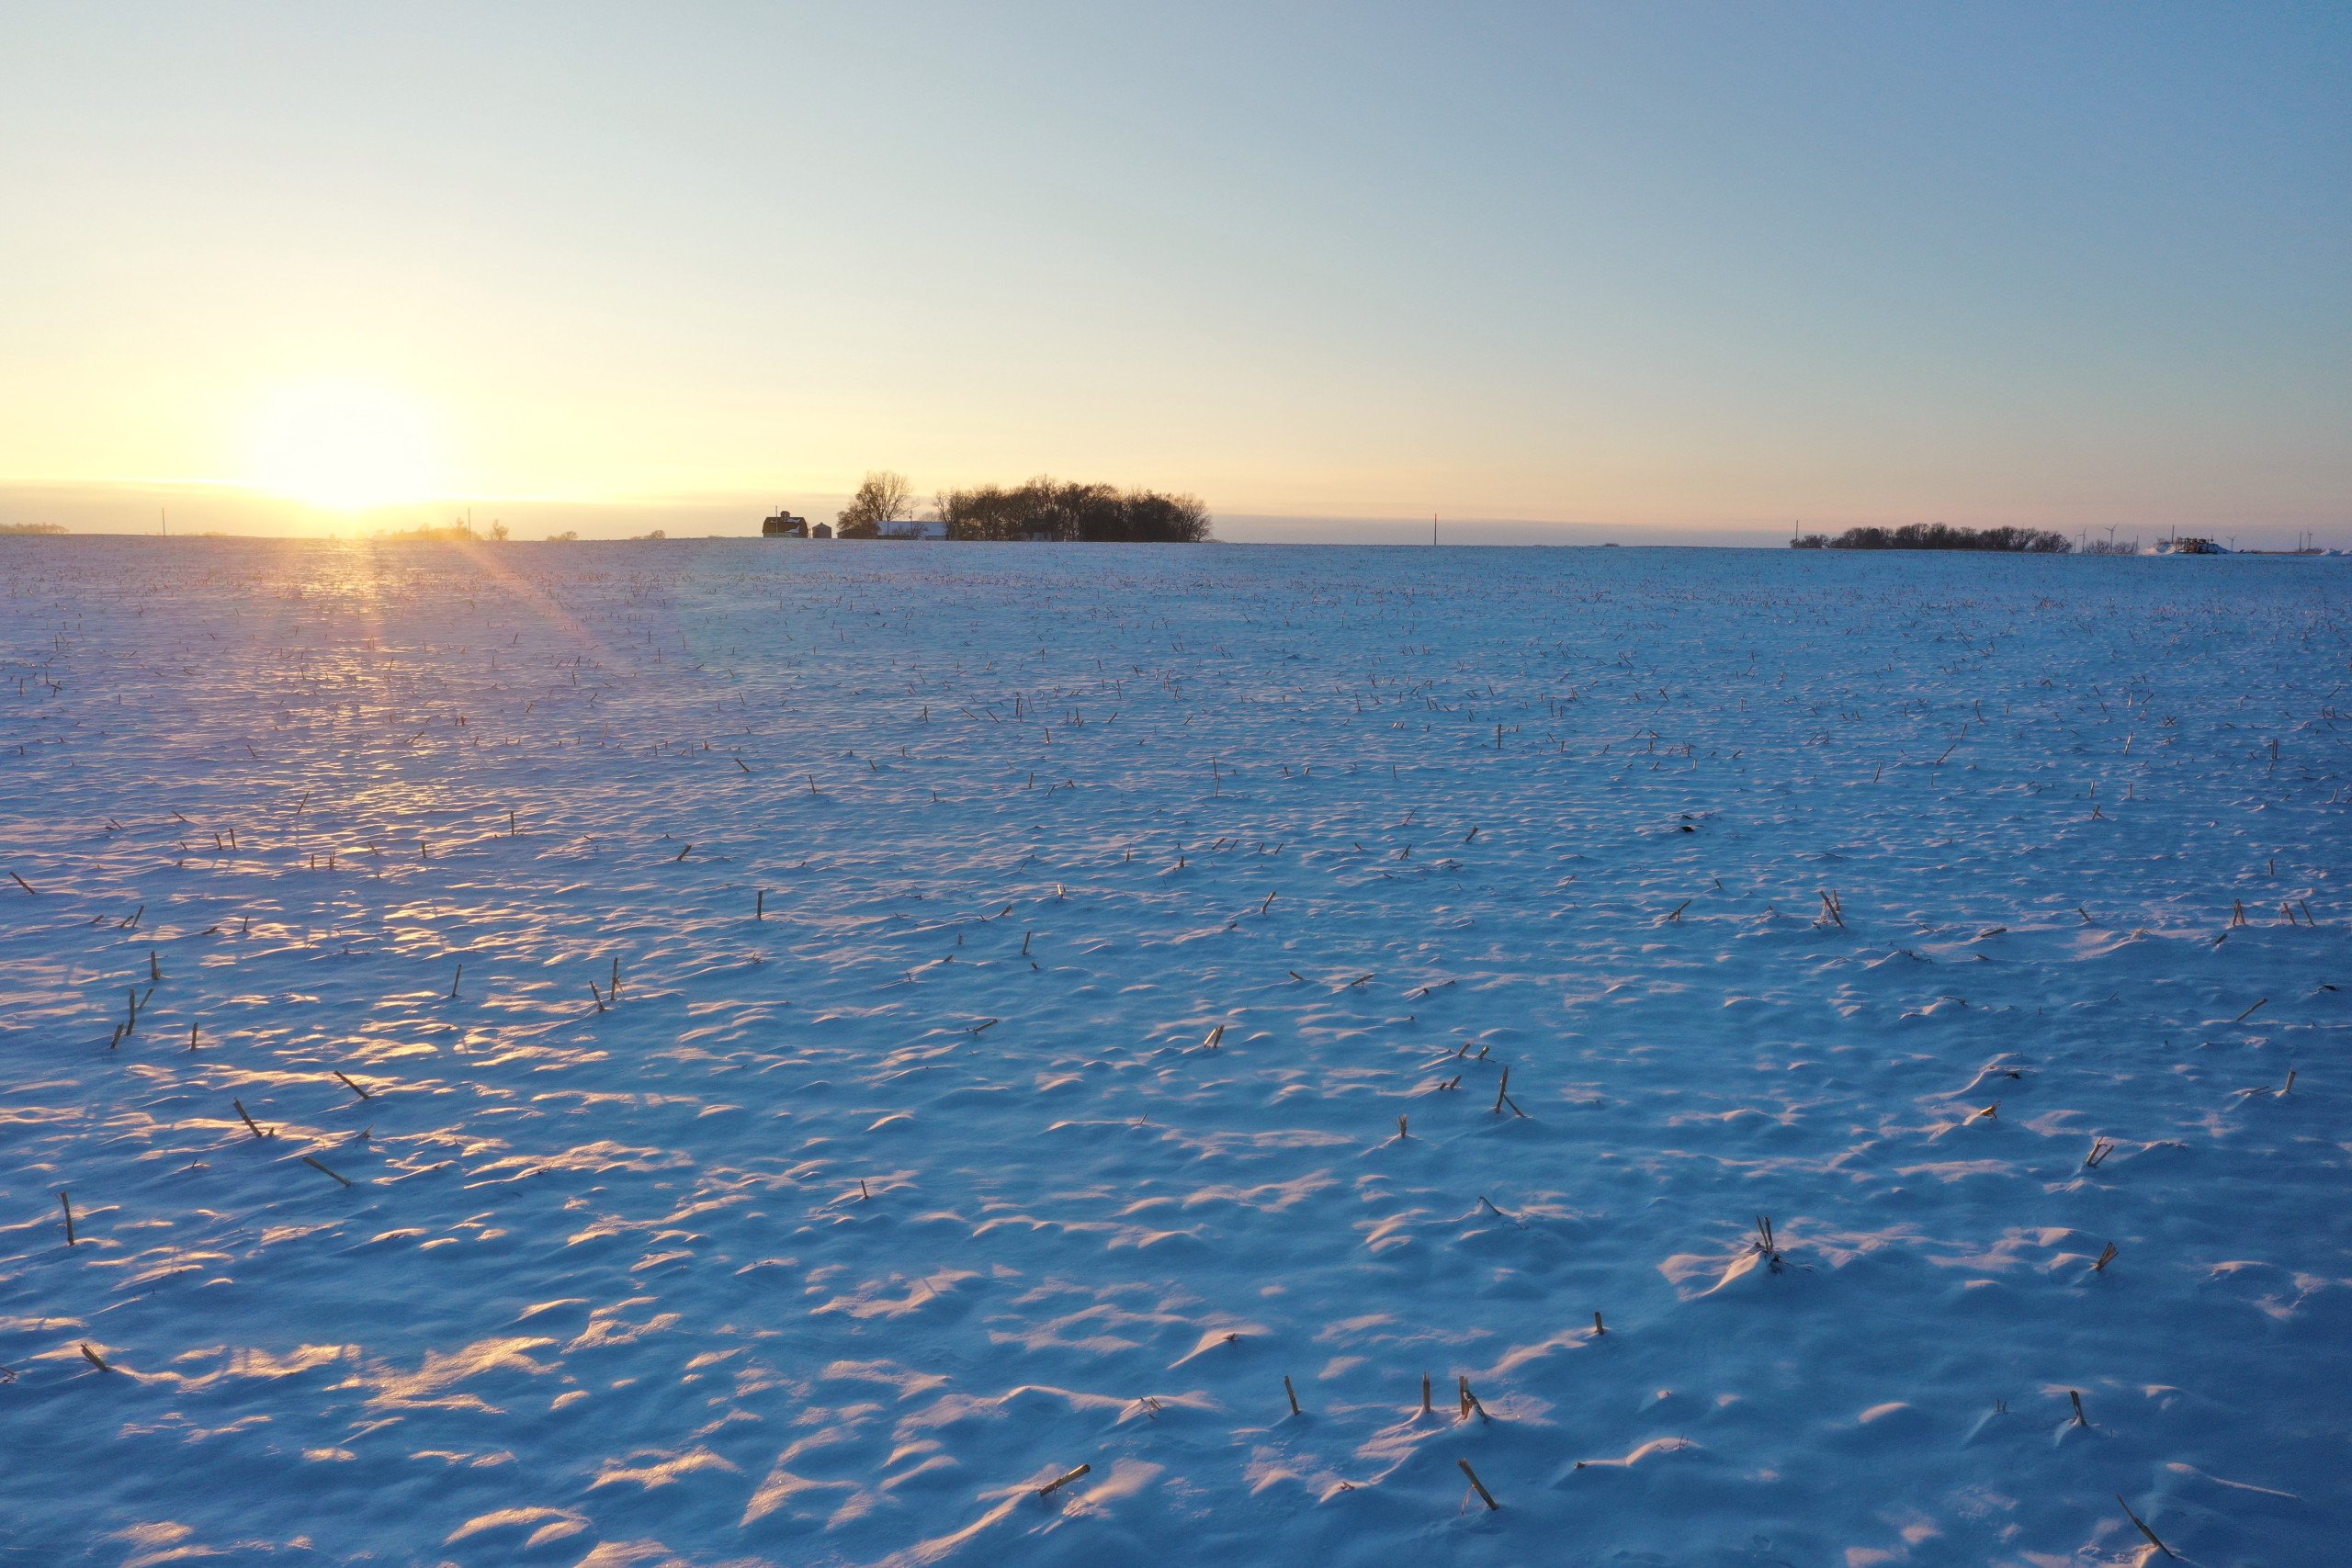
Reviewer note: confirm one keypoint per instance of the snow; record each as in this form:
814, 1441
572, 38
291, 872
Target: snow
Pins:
1864, 895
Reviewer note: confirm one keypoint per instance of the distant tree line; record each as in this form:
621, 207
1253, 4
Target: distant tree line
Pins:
1940, 536
458, 533
1042, 509
1046, 508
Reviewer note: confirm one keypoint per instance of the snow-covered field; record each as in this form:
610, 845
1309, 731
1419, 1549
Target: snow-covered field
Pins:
777, 1053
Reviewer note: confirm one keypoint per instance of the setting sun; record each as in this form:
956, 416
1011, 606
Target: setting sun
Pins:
346, 445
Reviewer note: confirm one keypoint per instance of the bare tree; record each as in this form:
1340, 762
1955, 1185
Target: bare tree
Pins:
882, 497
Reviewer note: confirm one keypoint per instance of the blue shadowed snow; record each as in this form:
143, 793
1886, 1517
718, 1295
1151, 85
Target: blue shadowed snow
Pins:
1870, 895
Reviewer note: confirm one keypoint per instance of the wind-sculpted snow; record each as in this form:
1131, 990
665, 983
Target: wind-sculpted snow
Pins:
739, 1053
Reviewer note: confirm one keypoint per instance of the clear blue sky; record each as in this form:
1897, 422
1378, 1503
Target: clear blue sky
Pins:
1648, 265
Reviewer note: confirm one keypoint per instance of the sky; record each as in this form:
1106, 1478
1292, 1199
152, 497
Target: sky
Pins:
1672, 272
